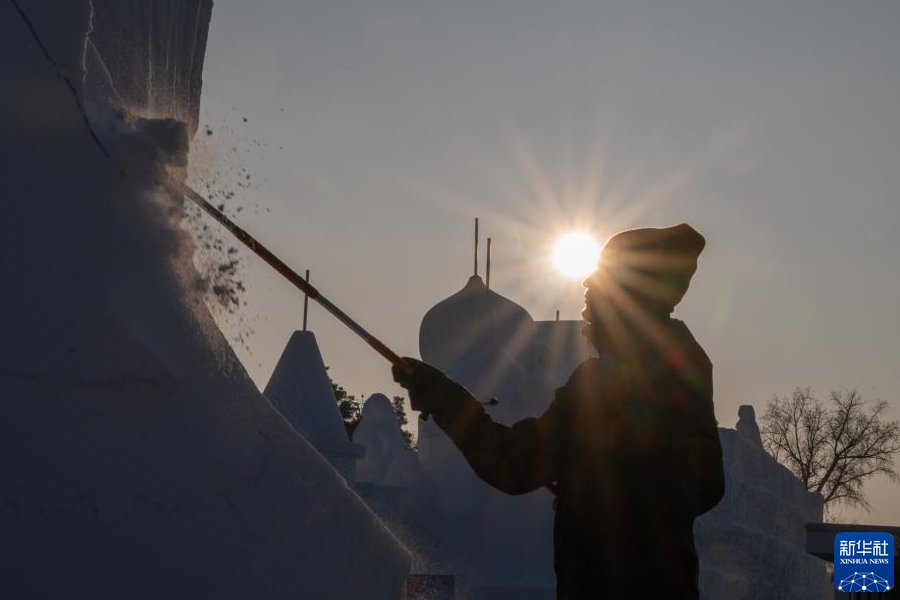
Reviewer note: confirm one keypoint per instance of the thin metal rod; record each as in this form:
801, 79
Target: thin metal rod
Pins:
291, 276
487, 268
305, 302
476, 246
557, 314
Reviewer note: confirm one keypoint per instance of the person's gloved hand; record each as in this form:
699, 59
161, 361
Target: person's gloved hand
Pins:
429, 389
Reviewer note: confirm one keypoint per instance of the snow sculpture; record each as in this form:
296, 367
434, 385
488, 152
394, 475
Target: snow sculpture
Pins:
391, 481
173, 89
476, 336
746, 425
301, 391
752, 545
403, 470
387, 462
539, 383
502, 552
137, 458
408, 502
468, 335
455, 325
491, 374
62, 27
569, 347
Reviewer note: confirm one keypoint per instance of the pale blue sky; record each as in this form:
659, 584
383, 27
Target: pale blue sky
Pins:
378, 130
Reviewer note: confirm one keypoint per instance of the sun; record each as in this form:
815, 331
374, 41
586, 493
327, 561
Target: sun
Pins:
575, 254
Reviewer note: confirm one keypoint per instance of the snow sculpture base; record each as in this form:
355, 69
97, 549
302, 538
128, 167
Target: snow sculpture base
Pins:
137, 459
752, 545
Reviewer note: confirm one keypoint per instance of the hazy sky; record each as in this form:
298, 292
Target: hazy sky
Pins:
376, 131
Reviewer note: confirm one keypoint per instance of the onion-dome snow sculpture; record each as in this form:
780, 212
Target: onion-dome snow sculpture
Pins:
568, 347
539, 383
489, 372
455, 325
474, 336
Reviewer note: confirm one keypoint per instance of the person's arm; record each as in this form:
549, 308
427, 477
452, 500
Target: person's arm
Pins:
515, 459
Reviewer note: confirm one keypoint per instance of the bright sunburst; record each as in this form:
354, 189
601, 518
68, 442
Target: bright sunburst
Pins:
575, 254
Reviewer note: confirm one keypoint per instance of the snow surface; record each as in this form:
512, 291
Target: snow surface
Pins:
456, 325
299, 388
489, 340
753, 543
568, 348
137, 459
387, 462
154, 52
301, 391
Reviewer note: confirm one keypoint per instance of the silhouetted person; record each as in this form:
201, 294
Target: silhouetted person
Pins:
630, 441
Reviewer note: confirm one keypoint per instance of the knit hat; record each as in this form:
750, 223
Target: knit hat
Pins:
653, 265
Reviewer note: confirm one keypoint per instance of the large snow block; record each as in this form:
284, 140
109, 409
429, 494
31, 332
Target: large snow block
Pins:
137, 459
154, 52
752, 544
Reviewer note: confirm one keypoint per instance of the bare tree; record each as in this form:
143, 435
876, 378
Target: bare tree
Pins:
832, 450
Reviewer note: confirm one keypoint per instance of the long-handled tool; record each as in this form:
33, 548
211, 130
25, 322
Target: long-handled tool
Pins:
289, 274
304, 286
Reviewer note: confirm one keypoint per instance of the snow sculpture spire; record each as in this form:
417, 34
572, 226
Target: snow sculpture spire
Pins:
301, 391
387, 461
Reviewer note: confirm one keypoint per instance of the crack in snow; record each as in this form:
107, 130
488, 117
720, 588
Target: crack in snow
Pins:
65, 79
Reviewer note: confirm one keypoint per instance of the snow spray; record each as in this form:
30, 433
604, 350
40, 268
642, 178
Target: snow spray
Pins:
289, 274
